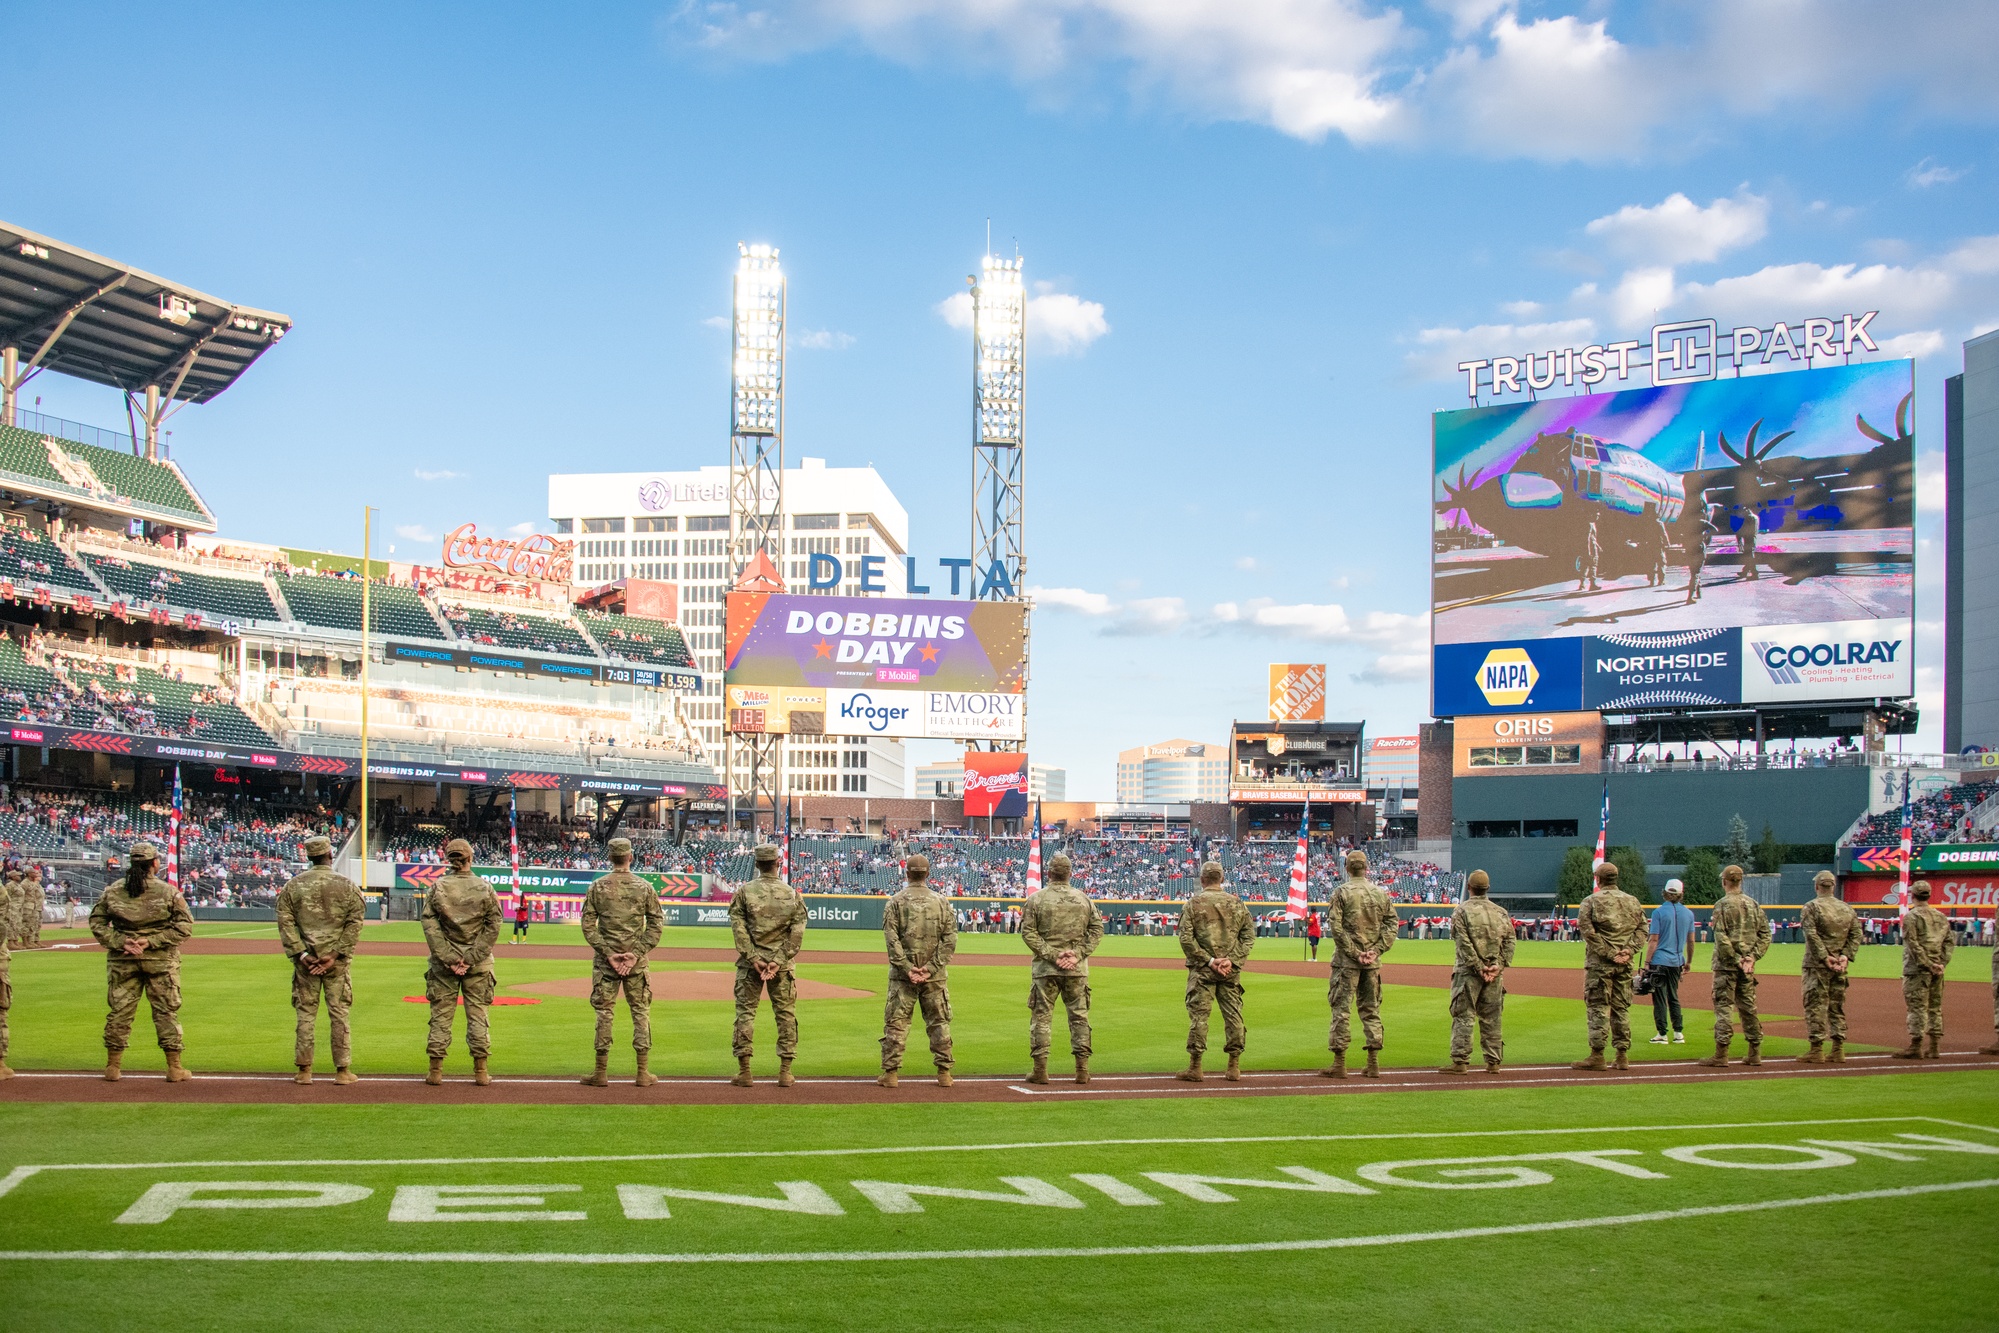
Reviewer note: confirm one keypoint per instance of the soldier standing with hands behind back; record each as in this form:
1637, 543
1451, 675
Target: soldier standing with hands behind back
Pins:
1482, 930
1216, 934
1832, 940
142, 922
1361, 920
921, 931
621, 922
768, 917
1741, 936
1061, 927
319, 922
6, 986
1927, 944
461, 924
1612, 925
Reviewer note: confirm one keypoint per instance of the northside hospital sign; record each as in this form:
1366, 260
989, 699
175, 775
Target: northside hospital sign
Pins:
1680, 353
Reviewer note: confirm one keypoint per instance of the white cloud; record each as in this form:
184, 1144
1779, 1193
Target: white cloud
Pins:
1523, 309
1640, 295
1078, 600
956, 310
527, 529
1932, 487
717, 322
1394, 669
822, 340
425, 474
1930, 172
1138, 617
1679, 231
1057, 323
1324, 622
1521, 95
1439, 350
415, 532
1245, 562
1795, 290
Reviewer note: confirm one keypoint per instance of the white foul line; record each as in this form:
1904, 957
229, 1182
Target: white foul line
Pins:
1049, 1252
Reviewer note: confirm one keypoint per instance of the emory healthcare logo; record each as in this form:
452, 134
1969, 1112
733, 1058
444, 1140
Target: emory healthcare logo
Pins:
1507, 677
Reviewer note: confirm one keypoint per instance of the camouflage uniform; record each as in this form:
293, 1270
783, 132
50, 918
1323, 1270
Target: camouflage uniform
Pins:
1214, 924
1059, 918
1831, 927
6, 985
1926, 939
11, 925
1482, 930
1741, 932
319, 917
1611, 922
1361, 919
621, 915
768, 917
157, 914
26, 910
461, 924
921, 930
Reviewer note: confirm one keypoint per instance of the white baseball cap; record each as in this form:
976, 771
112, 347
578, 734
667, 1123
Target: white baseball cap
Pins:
1674, 888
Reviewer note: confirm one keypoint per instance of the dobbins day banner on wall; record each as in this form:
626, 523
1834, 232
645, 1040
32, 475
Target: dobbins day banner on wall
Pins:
875, 666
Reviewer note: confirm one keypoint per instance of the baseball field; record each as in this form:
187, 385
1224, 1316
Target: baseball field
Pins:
1855, 1196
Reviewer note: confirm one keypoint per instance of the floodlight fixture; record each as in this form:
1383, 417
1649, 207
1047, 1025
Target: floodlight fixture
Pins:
758, 343
999, 334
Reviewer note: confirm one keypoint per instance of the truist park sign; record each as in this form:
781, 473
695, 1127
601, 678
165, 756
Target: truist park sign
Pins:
1683, 353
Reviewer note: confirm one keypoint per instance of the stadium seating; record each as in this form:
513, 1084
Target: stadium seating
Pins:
335, 603
28, 557
514, 629
216, 597
461, 718
1939, 816
637, 639
80, 690
152, 485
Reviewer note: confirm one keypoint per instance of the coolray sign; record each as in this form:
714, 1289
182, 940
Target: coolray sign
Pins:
995, 784
1848, 659
1663, 670
968, 716
535, 557
1683, 352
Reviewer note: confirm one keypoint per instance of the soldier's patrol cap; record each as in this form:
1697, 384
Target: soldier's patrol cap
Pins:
619, 847
1478, 881
1356, 863
765, 854
1059, 864
918, 866
1920, 889
1606, 873
458, 847
319, 845
1825, 879
144, 851
1211, 872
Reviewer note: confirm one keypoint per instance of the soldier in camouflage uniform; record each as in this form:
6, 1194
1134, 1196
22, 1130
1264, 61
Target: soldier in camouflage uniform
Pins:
1361, 920
461, 924
319, 921
1993, 1049
621, 921
1216, 934
768, 917
1482, 931
11, 926
1741, 936
1832, 940
1927, 944
29, 907
6, 984
921, 930
1612, 925
141, 922
1061, 928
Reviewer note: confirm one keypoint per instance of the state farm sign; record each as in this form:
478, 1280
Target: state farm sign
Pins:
535, 557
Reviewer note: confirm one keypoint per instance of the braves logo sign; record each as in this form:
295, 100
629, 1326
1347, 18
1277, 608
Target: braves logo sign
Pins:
533, 557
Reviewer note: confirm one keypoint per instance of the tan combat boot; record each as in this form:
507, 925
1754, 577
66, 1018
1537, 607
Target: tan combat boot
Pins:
1192, 1073
1755, 1056
784, 1078
1040, 1074
1623, 1060
1492, 1066
645, 1078
1913, 1051
113, 1065
304, 1074
1234, 1074
743, 1078
1373, 1069
1815, 1056
1455, 1067
5, 1072
1338, 1068
1082, 1069
479, 1074
436, 1075
602, 1077
1719, 1060
1837, 1055
175, 1073
344, 1076
1595, 1060
887, 1079
943, 1078
1934, 1051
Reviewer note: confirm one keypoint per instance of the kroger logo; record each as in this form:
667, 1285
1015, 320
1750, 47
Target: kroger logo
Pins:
878, 717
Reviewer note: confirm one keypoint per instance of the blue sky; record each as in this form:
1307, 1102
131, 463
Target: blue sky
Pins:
1266, 231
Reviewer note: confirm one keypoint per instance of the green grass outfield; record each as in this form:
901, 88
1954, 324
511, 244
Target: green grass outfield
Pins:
237, 1013
1704, 1205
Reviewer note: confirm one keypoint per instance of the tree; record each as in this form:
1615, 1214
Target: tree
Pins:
1631, 873
1768, 853
1702, 877
1573, 884
1736, 850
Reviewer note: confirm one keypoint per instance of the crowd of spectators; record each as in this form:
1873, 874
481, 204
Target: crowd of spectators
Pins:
1939, 816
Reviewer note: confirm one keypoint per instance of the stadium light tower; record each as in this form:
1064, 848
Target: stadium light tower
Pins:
756, 470
999, 440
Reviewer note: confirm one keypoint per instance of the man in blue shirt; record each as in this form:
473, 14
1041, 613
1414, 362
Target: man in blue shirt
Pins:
1671, 932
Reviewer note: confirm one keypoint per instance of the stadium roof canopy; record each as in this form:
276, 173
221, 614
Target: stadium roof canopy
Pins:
72, 311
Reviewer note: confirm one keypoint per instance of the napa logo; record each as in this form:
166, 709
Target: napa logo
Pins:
1507, 677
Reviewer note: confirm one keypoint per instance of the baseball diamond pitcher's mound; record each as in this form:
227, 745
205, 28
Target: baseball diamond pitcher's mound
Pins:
676, 984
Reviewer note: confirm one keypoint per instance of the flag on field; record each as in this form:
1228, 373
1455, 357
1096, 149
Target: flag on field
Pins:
784, 845
1908, 842
1603, 831
1301, 863
1034, 853
514, 842
172, 836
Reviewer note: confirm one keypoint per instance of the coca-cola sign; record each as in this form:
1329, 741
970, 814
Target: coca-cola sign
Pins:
536, 557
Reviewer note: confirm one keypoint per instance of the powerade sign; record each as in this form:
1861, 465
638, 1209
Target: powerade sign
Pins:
1543, 676
486, 659
1674, 669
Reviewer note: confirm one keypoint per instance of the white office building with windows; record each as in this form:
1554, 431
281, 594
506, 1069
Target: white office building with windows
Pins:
673, 527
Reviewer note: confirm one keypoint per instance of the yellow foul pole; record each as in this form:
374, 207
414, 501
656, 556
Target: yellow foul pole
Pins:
367, 564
